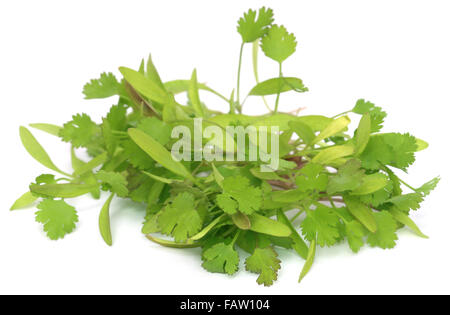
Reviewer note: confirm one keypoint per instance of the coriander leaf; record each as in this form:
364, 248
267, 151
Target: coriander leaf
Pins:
115, 182
379, 197
46, 179
377, 115
385, 236
156, 128
180, 219
349, 177
104, 87
221, 258
426, 188
80, 131
117, 117
136, 156
406, 202
322, 222
252, 28
57, 216
227, 204
393, 149
312, 178
278, 44
264, 261
355, 233
238, 189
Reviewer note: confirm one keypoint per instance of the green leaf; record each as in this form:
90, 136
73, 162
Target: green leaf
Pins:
393, 149
252, 28
421, 145
264, 225
80, 131
377, 115
309, 261
24, 201
385, 235
180, 219
93, 163
180, 86
265, 175
162, 179
406, 220
194, 96
331, 154
264, 262
406, 202
278, 85
333, 128
57, 216
104, 87
299, 245
278, 44
241, 220
48, 128
312, 178
371, 184
362, 134
115, 182
62, 190
321, 224
35, 149
361, 212
207, 229
303, 131
217, 176
238, 194
104, 222
426, 188
221, 258
145, 86
355, 235
159, 153
172, 244
152, 73
349, 177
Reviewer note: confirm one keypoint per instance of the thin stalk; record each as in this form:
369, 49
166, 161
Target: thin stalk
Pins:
255, 71
235, 238
341, 114
238, 90
279, 92
407, 185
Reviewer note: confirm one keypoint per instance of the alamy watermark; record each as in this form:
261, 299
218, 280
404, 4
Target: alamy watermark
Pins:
233, 143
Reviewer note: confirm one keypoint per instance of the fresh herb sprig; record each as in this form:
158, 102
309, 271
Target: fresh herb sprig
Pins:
332, 186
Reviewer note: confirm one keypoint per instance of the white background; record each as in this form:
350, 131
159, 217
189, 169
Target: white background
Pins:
394, 53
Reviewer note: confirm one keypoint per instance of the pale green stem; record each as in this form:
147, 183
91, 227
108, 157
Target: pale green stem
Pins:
279, 92
239, 74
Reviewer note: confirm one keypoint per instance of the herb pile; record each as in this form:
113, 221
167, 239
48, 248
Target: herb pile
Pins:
332, 185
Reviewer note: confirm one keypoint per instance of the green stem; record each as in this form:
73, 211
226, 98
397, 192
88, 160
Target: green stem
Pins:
255, 71
236, 236
279, 92
297, 215
239, 74
407, 185
341, 114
